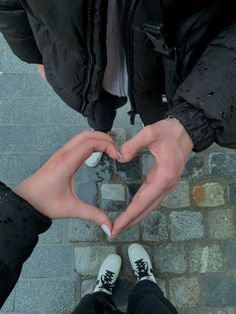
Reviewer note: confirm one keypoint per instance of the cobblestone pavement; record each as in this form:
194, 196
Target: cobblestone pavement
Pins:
190, 236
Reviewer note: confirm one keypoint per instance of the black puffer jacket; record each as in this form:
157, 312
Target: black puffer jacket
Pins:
68, 37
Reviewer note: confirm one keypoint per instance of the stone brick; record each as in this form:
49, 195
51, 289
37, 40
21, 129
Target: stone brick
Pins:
194, 168
130, 170
87, 192
28, 296
9, 63
5, 112
48, 261
147, 162
226, 311
179, 198
87, 286
221, 225
222, 165
33, 85
119, 136
206, 259
109, 205
209, 195
22, 166
59, 296
89, 259
102, 173
11, 85
232, 193
184, 291
218, 290
3, 168
155, 227
54, 233
9, 304
80, 230
186, 225
170, 258
230, 254
113, 192
3, 43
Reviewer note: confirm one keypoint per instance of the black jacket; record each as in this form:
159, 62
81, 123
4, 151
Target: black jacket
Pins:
20, 225
198, 75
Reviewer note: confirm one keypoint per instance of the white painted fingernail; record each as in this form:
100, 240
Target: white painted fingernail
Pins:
106, 230
120, 156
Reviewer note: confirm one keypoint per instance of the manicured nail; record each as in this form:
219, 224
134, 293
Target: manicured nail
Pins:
120, 156
106, 230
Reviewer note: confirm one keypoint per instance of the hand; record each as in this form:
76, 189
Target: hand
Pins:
51, 189
41, 71
170, 145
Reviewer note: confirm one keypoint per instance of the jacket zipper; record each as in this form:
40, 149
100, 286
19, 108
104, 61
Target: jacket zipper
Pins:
130, 8
90, 55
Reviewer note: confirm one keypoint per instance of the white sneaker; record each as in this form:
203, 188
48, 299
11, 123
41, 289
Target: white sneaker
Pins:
94, 159
108, 274
140, 262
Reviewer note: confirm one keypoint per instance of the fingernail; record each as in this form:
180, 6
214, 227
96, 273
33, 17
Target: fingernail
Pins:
106, 230
120, 156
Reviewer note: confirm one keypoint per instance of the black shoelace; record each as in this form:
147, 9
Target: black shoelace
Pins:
106, 281
141, 269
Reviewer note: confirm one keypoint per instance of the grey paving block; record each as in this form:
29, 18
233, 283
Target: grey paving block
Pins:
48, 261
184, 291
147, 162
114, 192
60, 296
28, 296
5, 112
130, 170
186, 225
9, 304
34, 85
80, 230
230, 254
3, 43
119, 136
22, 166
87, 286
11, 85
110, 205
221, 224
232, 193
54, 233
218, 290
3, 168
222, 165
87, 192
209, 195
9, 63
226, 311
170, 258
89, 259
102, 173
154, 227
194, 168
179, 198
207, 259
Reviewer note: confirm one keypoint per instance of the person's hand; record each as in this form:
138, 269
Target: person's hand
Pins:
170, 145
51, 189
41, 71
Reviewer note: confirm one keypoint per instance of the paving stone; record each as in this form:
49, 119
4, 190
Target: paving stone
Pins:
119, 136
179, 198
28, 296
48, 261
184, 291
3, 168
194, 168
109, 205
11, 85
35, 86
232, 193
209, 195
221, 225
80, 230
87, 287
113, 192
226, 311
102, 173
206, 259
147, 162
9, 63
87, 192
130, 170
89, 259
230, 254
9, 304
60, 296
186, 225
218, 290
162, 285
5, 112
155, 227
222, 165
3, 43
54, 233
130, 235
22, 166
170, 258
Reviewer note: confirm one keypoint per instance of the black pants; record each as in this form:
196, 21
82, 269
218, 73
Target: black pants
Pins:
145, 298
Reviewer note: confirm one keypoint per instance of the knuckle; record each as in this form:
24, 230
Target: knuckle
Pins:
148, 131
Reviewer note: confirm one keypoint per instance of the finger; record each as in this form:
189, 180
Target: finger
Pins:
42, 73
136, 144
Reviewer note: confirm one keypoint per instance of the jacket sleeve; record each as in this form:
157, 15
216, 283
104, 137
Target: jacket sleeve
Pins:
20, 225
205, 103
15, 27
